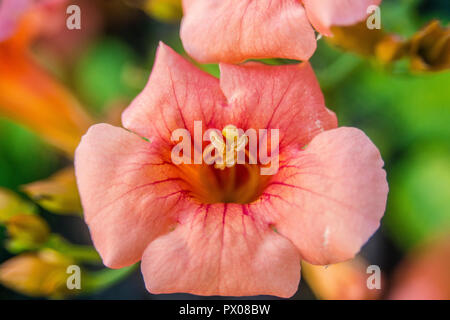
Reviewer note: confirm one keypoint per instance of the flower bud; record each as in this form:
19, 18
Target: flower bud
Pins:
27, 231
11, 204
41, 274
430, 48
343, 281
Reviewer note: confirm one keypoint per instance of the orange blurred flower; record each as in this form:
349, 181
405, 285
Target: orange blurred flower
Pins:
428, 49
29, 95
377, 43
32, 97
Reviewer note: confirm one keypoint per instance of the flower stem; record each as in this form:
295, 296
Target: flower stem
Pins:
79, 253
100, 280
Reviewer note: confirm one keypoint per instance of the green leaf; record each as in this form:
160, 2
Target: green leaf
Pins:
80, 253
107, 73
24, 157
100, 280
419, 198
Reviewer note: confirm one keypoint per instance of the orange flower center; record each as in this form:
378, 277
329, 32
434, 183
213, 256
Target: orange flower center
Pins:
224, 179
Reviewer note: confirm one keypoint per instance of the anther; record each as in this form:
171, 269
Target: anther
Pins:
226, 153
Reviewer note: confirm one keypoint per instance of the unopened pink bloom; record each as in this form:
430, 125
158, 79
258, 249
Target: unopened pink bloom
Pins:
43, 17
424, 274
207, 231
236, 30
10, 13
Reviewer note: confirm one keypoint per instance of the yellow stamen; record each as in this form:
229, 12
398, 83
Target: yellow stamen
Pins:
236, 184
226, 155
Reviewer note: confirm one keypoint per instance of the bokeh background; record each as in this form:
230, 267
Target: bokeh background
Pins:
104, 65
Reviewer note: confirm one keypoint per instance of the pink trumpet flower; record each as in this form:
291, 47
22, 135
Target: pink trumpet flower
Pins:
228, 230
236, 30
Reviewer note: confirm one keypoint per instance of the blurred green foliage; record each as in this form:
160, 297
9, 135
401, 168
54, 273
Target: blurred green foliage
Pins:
420, 194
103, 75
24, 157
407, 116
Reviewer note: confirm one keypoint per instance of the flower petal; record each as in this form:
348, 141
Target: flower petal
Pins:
176, 94
128, 192
287, 98
329, 199
236, 30
326, 13
221, 250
